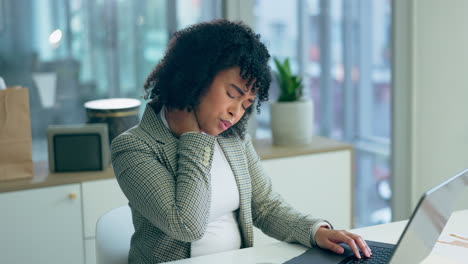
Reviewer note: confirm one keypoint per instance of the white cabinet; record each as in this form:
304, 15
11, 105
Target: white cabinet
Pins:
55, 224
90, 251
99, 197
42, 226
316, 184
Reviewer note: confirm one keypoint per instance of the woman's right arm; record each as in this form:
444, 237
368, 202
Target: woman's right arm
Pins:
178, 205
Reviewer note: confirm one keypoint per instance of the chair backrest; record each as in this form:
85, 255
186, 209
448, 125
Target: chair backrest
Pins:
113, 232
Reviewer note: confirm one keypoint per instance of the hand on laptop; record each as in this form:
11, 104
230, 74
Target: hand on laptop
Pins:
329, 239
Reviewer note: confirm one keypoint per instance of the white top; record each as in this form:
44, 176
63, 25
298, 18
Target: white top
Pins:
222, 232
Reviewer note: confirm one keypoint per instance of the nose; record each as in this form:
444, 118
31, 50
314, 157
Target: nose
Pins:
235, 110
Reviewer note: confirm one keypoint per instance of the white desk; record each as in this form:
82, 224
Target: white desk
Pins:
280, 252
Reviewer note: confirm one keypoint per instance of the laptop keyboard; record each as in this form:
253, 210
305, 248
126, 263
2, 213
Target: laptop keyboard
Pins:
380, 255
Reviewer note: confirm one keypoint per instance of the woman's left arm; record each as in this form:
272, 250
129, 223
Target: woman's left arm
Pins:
276, 218
270, 212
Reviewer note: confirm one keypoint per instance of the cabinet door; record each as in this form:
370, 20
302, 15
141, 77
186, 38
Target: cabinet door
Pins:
90, 248
99, 197
42, 226
316, 184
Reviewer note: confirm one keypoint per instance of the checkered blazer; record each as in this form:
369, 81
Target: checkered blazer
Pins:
167, 183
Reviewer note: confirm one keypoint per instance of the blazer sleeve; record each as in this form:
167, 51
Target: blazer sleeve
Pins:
176, 204
271, 213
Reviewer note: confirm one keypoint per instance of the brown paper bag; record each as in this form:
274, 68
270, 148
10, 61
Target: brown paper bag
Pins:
15, 134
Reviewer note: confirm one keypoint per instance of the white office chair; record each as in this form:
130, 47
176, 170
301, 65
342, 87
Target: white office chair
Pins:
113, 232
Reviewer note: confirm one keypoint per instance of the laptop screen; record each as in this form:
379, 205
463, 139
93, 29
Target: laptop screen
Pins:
429, 219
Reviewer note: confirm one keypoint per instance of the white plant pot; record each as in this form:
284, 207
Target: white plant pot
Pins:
292, 122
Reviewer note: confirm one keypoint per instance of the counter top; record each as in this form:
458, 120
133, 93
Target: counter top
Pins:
266, 150
43, 178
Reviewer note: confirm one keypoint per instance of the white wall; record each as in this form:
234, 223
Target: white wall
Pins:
437, 91
440, 94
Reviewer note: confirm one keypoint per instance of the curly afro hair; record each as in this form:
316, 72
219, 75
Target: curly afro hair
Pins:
196, 54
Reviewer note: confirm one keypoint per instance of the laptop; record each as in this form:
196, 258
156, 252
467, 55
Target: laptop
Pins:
419, 236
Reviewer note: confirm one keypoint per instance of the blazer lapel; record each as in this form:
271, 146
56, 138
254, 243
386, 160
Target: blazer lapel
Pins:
155, 127
233, 151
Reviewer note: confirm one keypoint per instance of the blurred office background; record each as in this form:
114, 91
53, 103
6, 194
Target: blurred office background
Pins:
92, 49
106, 48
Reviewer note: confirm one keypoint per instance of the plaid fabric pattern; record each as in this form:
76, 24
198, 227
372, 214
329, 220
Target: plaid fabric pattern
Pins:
167, 183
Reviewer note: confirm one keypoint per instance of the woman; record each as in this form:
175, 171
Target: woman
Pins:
194, 182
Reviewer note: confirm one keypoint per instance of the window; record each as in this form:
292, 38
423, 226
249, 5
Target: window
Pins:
346, 70
70, 52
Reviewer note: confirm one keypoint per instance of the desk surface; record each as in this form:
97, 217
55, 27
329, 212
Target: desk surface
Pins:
280, 252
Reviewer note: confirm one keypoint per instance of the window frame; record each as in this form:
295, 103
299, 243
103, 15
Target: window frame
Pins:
358, 102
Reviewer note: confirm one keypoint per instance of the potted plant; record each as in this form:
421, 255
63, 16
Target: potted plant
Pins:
292, 115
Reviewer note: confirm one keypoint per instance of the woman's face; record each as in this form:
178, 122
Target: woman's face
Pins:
224, 102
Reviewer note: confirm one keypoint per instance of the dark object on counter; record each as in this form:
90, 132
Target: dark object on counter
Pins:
120, 114
82, 147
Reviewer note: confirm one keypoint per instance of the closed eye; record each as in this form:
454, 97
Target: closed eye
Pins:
232, 97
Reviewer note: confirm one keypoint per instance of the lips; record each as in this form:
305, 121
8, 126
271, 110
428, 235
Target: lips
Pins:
225, 124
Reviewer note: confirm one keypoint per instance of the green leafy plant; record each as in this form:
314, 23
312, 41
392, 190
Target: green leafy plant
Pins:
290, 84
